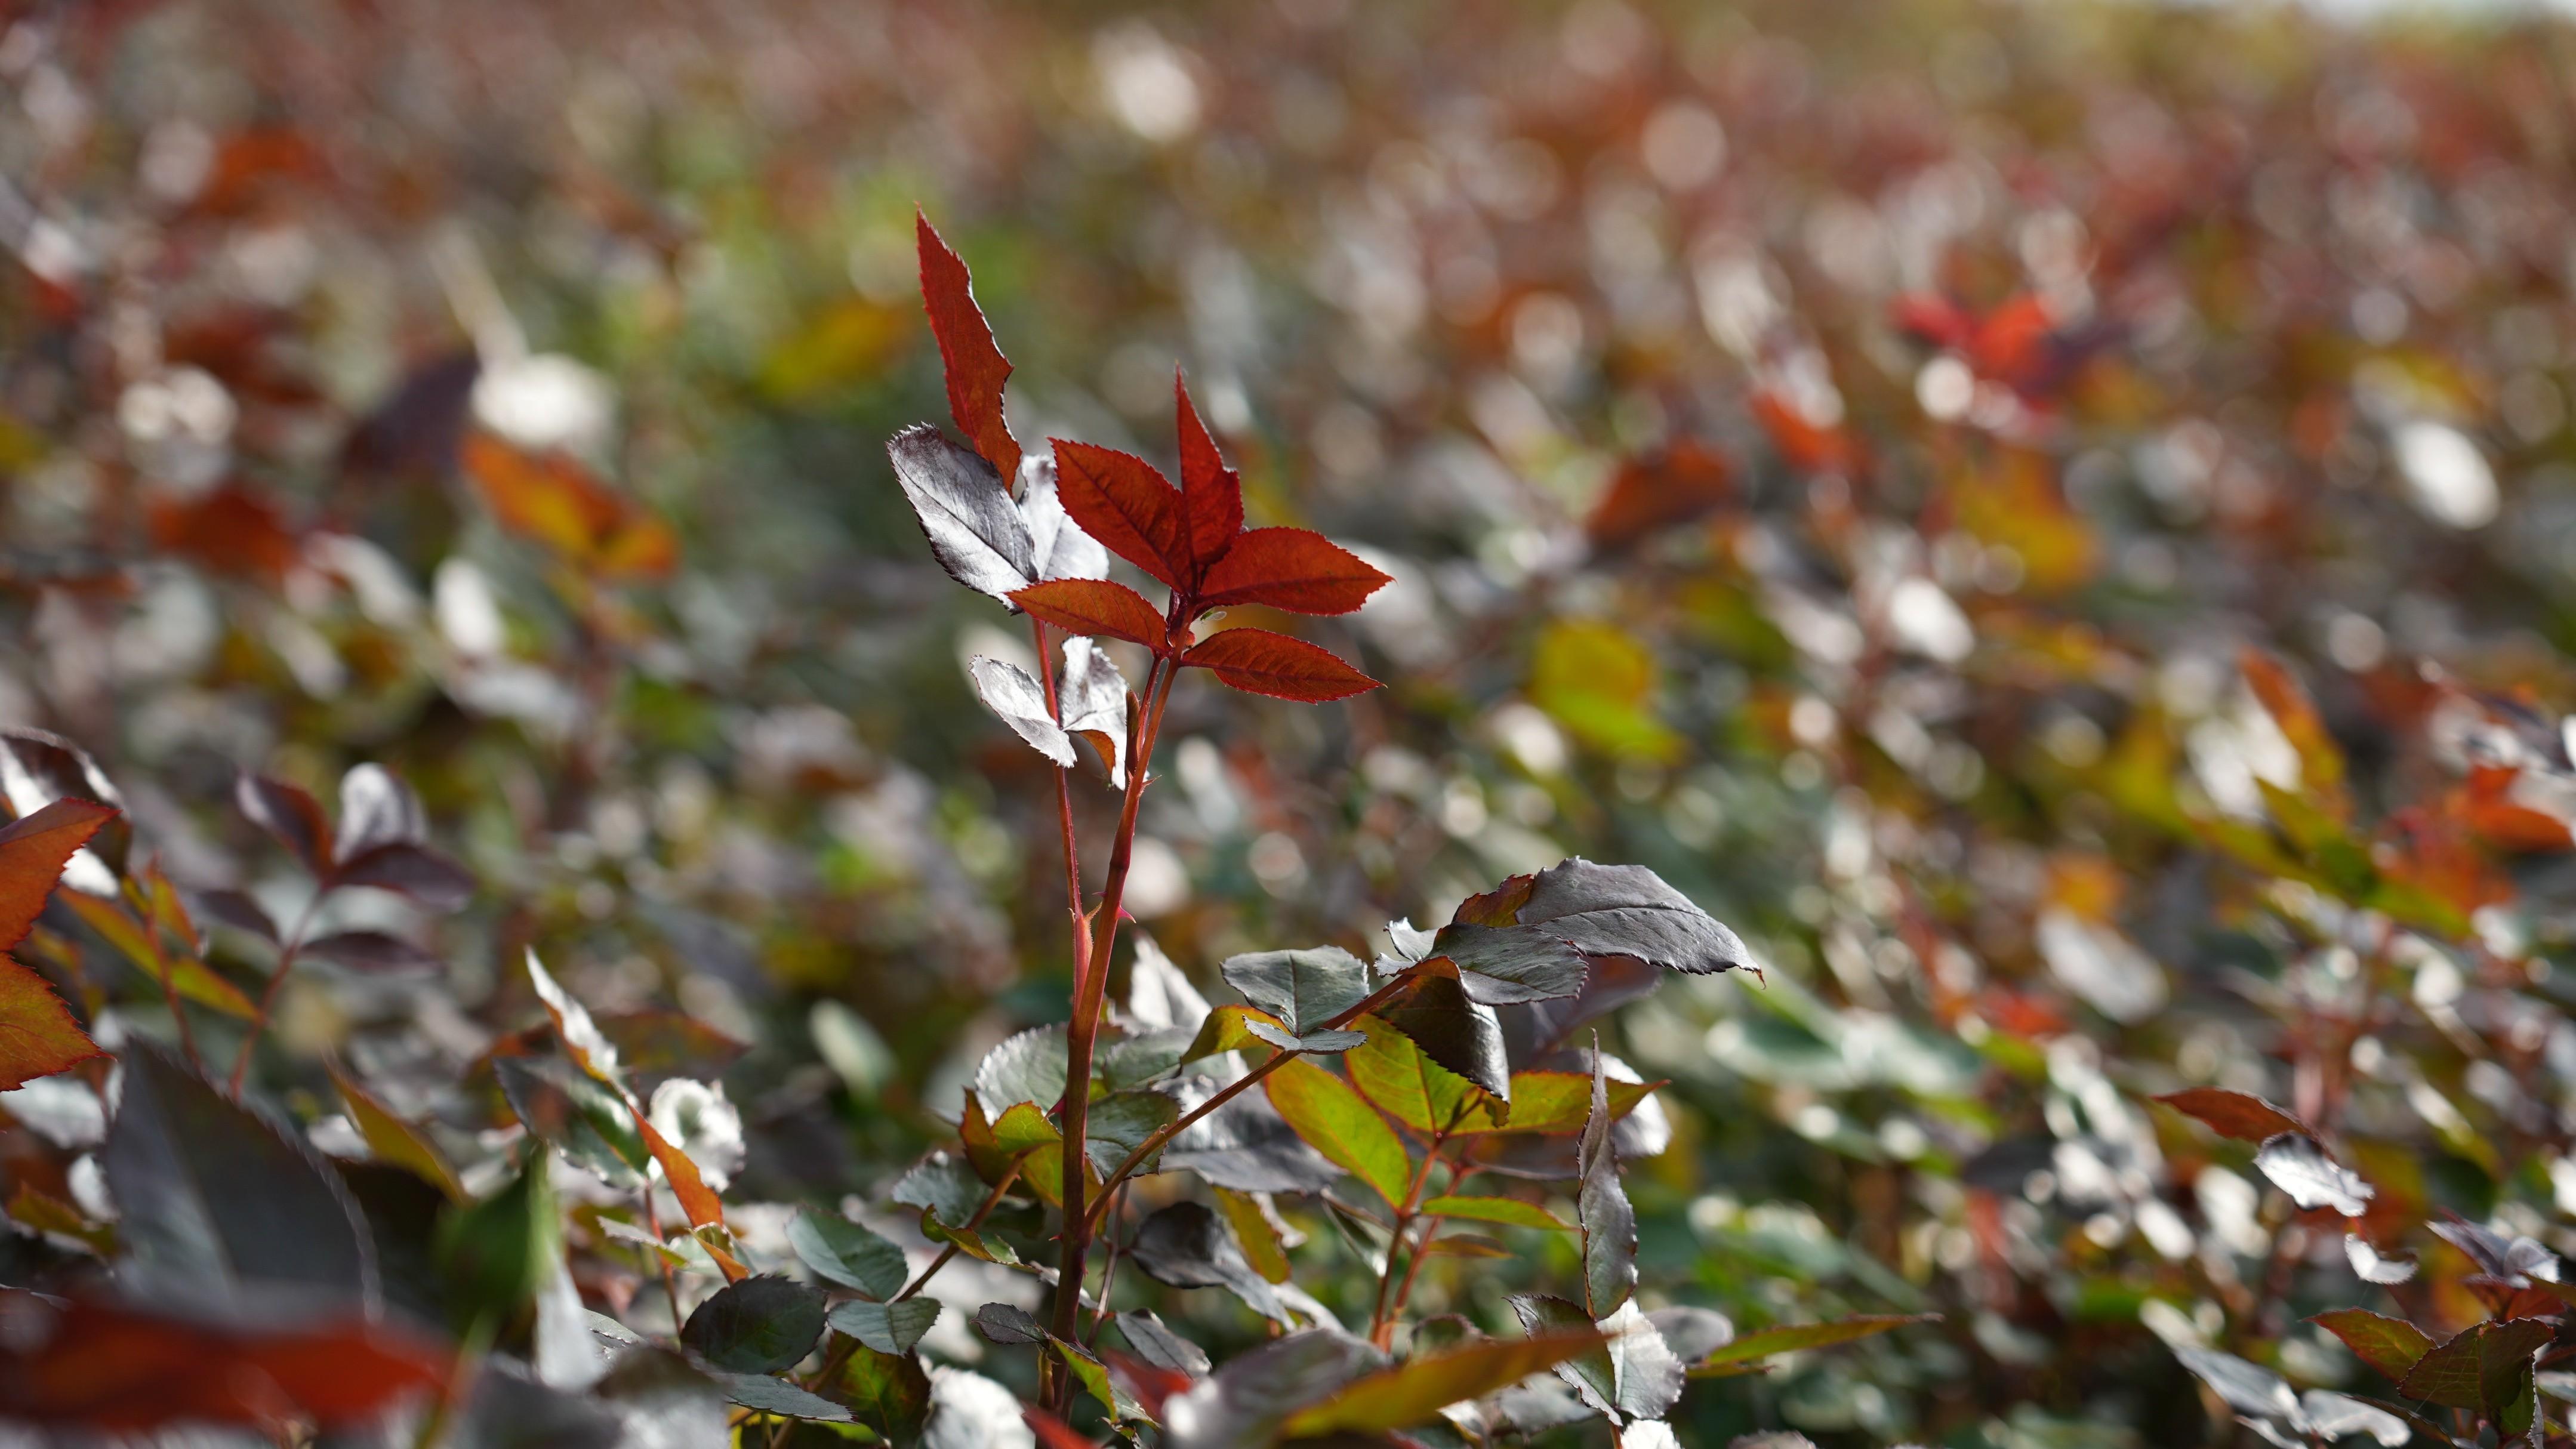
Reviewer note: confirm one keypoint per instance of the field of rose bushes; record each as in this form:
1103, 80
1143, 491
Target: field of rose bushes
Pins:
1475, 724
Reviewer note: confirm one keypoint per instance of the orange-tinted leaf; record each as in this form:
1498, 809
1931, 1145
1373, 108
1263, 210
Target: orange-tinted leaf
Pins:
230, 530
392, 1139
553, 499
2320, 758
1095, 607
1121, 500
2240, 1115
33, 850
38, 1036
116, 1370
1657, 490
974, 363
1290, 568
1806, 446
1257, 661
698, 1200
2390, 1345
1211, 493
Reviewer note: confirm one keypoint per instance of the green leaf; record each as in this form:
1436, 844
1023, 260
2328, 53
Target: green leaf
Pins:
493, 1256
1417, 1389
1752, 1347
2391, 1345
756, 1326
1229, 1029
1392, 1072
1510, 1211
1561, 1102
1255, 1233
1093, 1375
887, 1392
1303, 989
885, 1327
843, 1252
1609, 1223
1339, 1123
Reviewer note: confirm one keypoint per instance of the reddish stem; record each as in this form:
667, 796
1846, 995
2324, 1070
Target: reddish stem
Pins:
1085, 1028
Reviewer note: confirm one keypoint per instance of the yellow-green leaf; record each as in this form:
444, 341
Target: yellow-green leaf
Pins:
1339, 1123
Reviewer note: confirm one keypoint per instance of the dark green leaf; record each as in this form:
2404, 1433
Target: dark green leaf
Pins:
1187, 1245
215, 1197
1304, 989
1623, 910
1120, 1122
1007, 1323
1460, 1034
778, 1396
1504, 965
1609, 1223
842, 1252
756, 1326
886, 1327
1159, 1346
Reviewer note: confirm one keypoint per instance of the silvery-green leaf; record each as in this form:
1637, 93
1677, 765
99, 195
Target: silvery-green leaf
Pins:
974, 527
1058, 546
1020, 702
1093, 695
1304, 989
2297, 1165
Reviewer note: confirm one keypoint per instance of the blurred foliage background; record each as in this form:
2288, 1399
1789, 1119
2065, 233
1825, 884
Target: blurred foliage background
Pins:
1836, 454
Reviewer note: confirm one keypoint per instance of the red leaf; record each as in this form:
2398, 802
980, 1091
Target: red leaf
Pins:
1052, 1432
1674, 485
1290, 568
38, 1036
1096, 607
976, 367
2240, 1115
33, 850
1257, 661
1211, 493
1120, 499
116, 1370
230, 530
